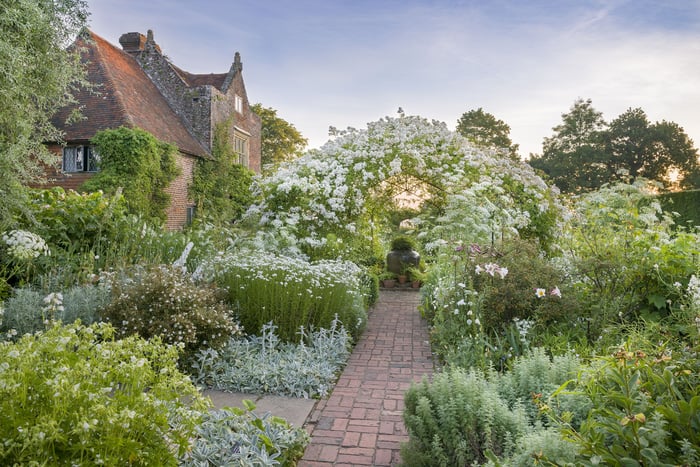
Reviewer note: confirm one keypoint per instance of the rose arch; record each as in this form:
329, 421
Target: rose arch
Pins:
339, 193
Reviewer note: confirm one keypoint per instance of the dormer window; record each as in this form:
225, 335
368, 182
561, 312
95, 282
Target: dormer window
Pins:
80, 159
238, 103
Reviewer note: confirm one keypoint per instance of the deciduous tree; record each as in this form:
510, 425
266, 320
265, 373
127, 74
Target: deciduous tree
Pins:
37, 76
281, 141
486, 131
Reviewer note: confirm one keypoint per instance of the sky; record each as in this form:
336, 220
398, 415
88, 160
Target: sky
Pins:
323, 63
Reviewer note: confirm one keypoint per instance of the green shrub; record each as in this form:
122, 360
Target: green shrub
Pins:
264, 365
75, 395
291, 293
541, 445
645, 408
403, 243
369, 283
237, 436
27, 309
456, 418
538, 373
164, 301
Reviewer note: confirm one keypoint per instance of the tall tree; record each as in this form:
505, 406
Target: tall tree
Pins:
37, 77
648, 150
586, 153
484, 130
574, 158
281, 141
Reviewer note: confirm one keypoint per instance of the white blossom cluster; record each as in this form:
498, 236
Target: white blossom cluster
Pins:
329, 188
25, 245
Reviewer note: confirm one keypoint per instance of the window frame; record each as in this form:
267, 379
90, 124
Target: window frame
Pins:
85, 159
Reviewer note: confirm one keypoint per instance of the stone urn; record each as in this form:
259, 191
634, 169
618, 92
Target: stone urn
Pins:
402, 256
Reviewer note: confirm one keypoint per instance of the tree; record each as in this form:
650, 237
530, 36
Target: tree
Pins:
221, 186
140, 164
585, 152
281, 141
486, 131
574, 158
647, 150
37, 78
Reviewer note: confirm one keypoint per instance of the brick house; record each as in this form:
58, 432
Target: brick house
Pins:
137, 86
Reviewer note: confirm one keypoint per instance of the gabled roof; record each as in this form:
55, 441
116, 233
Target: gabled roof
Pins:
124, 96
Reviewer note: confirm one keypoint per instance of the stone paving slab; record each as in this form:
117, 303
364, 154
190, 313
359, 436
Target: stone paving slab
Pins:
294, 410
361, 422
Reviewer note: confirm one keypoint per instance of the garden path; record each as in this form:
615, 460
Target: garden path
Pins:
361, 422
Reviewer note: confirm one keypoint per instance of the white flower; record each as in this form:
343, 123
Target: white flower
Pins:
539, 293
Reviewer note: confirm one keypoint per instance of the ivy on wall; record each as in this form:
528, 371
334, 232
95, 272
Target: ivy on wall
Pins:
140, 164
221, 186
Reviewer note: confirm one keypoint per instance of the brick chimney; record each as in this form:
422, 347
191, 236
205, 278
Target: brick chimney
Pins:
132, 41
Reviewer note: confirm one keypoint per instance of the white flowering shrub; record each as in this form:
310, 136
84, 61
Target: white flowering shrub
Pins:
76, 395
339, 189
625, 260
262, 287
164, 301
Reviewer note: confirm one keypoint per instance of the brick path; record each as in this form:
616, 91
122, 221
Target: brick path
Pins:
361, 422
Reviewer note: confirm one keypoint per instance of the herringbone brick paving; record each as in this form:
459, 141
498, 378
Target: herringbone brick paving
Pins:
361, 422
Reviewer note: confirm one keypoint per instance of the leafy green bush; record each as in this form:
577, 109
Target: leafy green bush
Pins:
262, 364
263, 287
165, 301
458, 417
74, 221
27, 309
403, 243
75, 395
238, 436
645, 409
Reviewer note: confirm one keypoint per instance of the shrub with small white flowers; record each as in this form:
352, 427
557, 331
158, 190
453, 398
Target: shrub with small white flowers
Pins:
165, 301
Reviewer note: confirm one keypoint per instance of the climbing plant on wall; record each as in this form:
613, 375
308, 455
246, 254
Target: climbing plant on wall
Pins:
338, 193
140, 164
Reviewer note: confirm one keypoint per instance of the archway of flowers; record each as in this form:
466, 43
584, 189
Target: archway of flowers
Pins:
330, 199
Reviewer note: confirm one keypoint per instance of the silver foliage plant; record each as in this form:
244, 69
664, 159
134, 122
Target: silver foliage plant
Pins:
265, 365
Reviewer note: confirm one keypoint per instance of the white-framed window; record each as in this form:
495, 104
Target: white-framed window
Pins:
80, 159
191, 213
240, 147
238, 103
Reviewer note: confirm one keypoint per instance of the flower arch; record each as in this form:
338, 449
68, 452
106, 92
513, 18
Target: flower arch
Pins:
333, 194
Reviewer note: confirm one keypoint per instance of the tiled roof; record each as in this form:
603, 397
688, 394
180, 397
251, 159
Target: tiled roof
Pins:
213, 79
127, 97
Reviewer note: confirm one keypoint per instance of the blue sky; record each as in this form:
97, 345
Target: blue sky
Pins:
324, 63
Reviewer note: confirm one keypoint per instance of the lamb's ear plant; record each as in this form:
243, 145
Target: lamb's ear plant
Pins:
75, 395
264, 364
238, 436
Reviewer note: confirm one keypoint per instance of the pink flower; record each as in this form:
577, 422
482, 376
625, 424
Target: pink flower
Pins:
474, 248
556, 292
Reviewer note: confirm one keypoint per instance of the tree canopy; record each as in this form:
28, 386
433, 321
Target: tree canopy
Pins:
37, 78
281, 141
486, 131
586, 152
